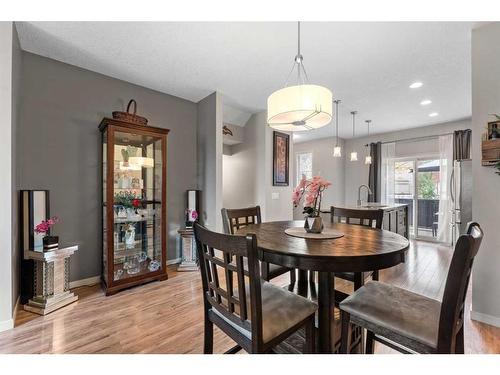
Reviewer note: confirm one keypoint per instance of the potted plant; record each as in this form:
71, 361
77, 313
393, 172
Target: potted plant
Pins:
312, 191
49, 242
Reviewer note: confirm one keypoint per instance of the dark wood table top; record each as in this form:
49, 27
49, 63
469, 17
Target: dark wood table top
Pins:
360, 249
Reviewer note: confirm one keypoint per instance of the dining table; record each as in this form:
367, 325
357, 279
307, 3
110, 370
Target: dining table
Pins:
359, 249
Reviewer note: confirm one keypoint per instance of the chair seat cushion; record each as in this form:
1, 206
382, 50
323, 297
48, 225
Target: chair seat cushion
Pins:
395, 310
281, 310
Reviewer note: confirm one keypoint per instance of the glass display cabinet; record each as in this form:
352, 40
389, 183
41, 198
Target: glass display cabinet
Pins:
133, 204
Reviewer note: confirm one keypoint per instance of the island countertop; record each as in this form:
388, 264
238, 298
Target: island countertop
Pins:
395, 215
371, 206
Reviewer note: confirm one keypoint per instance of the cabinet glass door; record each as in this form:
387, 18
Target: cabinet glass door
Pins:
137, 205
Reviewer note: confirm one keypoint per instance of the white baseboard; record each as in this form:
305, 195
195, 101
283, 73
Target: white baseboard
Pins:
85, 282
6, 324
173, 261
485, 318
97, 279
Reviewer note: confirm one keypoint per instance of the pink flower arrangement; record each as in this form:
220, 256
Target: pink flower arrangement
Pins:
312, 191
45, 225
192, 215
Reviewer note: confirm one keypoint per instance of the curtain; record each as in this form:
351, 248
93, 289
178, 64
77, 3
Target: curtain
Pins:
388, 154
446, 156
461, 144
374, 172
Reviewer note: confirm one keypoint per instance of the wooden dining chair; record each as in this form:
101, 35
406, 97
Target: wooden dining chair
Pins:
367, 217
409, 322
255, 313
234, 219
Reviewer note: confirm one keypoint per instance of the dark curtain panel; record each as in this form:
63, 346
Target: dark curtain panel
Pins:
374, 172
461, 144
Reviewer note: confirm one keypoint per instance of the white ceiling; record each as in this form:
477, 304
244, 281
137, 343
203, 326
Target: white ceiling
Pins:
369, 66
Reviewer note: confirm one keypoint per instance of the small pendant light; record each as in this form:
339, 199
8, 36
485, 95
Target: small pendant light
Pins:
337, 151
368, 158
354, 154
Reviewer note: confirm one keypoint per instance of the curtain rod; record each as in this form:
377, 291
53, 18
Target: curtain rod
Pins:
414, 138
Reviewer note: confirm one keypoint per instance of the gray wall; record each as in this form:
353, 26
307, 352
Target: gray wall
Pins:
238, 171
247, 173
356, 173
324, 164
6, 125
59, 148
210, 159
486, 184
16, 82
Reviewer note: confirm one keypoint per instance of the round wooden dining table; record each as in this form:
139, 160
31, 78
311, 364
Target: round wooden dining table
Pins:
360, 249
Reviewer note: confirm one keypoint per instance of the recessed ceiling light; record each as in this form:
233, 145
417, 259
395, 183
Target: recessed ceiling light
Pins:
426, 102
416, 85
433, 114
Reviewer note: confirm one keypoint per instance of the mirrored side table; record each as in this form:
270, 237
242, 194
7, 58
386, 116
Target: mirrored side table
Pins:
51, 279
189, 260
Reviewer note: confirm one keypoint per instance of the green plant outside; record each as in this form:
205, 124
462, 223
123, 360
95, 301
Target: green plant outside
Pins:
426, 187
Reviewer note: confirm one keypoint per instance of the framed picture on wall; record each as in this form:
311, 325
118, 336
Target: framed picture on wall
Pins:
281, 149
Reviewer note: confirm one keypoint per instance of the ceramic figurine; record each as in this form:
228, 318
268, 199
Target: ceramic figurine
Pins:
130, 236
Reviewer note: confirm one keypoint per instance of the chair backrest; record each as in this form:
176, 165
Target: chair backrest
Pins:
366, 217
455, 291
234, 219
226, 286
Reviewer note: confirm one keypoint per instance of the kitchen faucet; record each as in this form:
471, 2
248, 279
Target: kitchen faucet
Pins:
359, 192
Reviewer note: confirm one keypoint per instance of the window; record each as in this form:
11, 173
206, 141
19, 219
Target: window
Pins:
304, 165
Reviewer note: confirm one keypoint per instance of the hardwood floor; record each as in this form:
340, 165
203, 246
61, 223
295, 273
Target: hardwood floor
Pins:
167, 317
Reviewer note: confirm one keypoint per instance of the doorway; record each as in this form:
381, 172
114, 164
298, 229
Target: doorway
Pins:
417, 184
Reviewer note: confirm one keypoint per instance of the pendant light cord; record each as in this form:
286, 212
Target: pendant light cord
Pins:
298, 61
337, 102
353, 113
298, 38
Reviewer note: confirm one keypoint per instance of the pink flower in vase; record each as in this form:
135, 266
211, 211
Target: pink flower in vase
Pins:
194, 215
45, 225
309, 200
312, 191
296, 195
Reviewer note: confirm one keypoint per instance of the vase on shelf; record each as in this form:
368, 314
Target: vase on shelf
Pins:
313, 224
50, 242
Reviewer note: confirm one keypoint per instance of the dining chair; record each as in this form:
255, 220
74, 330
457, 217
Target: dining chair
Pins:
234, 219
409, 322
256, 314
367, 217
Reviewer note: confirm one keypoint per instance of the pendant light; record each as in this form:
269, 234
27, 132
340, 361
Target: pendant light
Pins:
302, 106
354, 154
337, 151
368, 158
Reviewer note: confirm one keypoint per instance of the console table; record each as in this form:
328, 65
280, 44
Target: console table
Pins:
189, 260
51, 279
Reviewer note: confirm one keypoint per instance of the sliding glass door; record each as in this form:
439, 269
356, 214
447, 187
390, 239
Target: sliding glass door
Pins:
404, 187
428, 178
417, 182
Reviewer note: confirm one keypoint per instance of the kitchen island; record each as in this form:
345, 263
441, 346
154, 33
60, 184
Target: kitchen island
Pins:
395, 216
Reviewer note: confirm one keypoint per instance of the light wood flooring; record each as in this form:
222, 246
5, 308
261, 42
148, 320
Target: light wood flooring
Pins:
167, 317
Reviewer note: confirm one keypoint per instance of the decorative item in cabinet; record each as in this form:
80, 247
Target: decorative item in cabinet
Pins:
134, 204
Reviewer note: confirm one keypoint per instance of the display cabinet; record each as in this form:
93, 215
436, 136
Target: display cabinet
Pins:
133, 204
